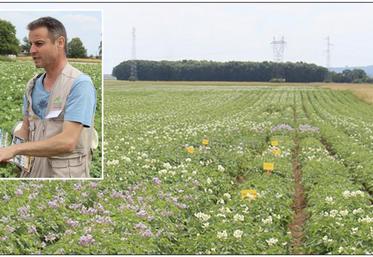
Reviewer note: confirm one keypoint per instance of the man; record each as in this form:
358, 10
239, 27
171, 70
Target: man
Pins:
59, 107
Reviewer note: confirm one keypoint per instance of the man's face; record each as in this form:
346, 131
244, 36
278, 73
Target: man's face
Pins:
43, 50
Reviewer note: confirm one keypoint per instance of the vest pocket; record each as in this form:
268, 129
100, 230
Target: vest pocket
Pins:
77, 167
59, 168
68, 168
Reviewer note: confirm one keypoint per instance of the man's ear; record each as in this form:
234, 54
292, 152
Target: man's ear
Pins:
61, 42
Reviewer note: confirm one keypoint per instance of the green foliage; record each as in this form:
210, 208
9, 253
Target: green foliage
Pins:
76, 49
26, 46
350, 76
9, 43
189, 70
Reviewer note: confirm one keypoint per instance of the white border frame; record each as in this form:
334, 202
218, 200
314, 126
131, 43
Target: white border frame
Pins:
102, 90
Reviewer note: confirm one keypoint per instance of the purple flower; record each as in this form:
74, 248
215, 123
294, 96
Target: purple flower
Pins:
181, 205
53, 204
141, 214
69, 232
140, 225
31, 229
147, 233
72, 223
3, 238
77, 186
24, 211
116, 195
86, 240
281, 127
103, 220
19, 192
156, 181
9, 229
308, 128
166, 213
93, 185
50, 237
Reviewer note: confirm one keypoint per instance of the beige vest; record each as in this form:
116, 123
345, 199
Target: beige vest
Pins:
70, 165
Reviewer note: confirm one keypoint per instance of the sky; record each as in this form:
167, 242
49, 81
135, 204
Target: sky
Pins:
86, 25
232, 31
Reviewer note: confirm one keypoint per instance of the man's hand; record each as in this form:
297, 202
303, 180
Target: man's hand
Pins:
6, 154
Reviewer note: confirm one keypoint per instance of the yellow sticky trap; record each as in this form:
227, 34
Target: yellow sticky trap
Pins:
274, 142
190, 149
205, 141
268, 166
276, 152
248, 193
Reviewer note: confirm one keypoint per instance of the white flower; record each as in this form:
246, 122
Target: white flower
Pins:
278, 195
221, 201
238, 217
357, 211
221, 168
367, 219
344, 213
208, 181
238, 234
354, 230
333, 213
161, 172
221, 215
113, 162
329, 199
326, 239
272, 241
126, 159
228, 196
222, 235
267, 220
167, 165
202, 216
188, 160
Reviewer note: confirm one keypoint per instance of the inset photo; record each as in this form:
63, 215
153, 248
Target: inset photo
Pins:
51, 94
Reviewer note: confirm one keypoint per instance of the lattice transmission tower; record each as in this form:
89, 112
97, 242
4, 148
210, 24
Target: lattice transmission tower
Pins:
278, 47
328, 57
133, 74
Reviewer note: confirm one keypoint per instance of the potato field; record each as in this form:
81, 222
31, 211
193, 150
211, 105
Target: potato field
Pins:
207, 168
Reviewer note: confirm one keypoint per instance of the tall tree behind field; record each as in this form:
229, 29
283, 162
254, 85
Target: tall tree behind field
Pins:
9, 44
191, 70
76, 49
26, 46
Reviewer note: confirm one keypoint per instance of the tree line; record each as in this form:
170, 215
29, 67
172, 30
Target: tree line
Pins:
192, 70
10, 45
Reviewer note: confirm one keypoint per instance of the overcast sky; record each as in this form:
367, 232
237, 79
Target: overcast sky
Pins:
236, 31
86, 25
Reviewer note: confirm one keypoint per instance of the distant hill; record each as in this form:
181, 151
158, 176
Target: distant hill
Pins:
367, 69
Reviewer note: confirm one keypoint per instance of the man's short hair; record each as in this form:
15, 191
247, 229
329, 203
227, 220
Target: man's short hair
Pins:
54, 26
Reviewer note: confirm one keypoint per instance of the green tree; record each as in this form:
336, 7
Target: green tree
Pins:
25, 47
9, 44
76, 49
